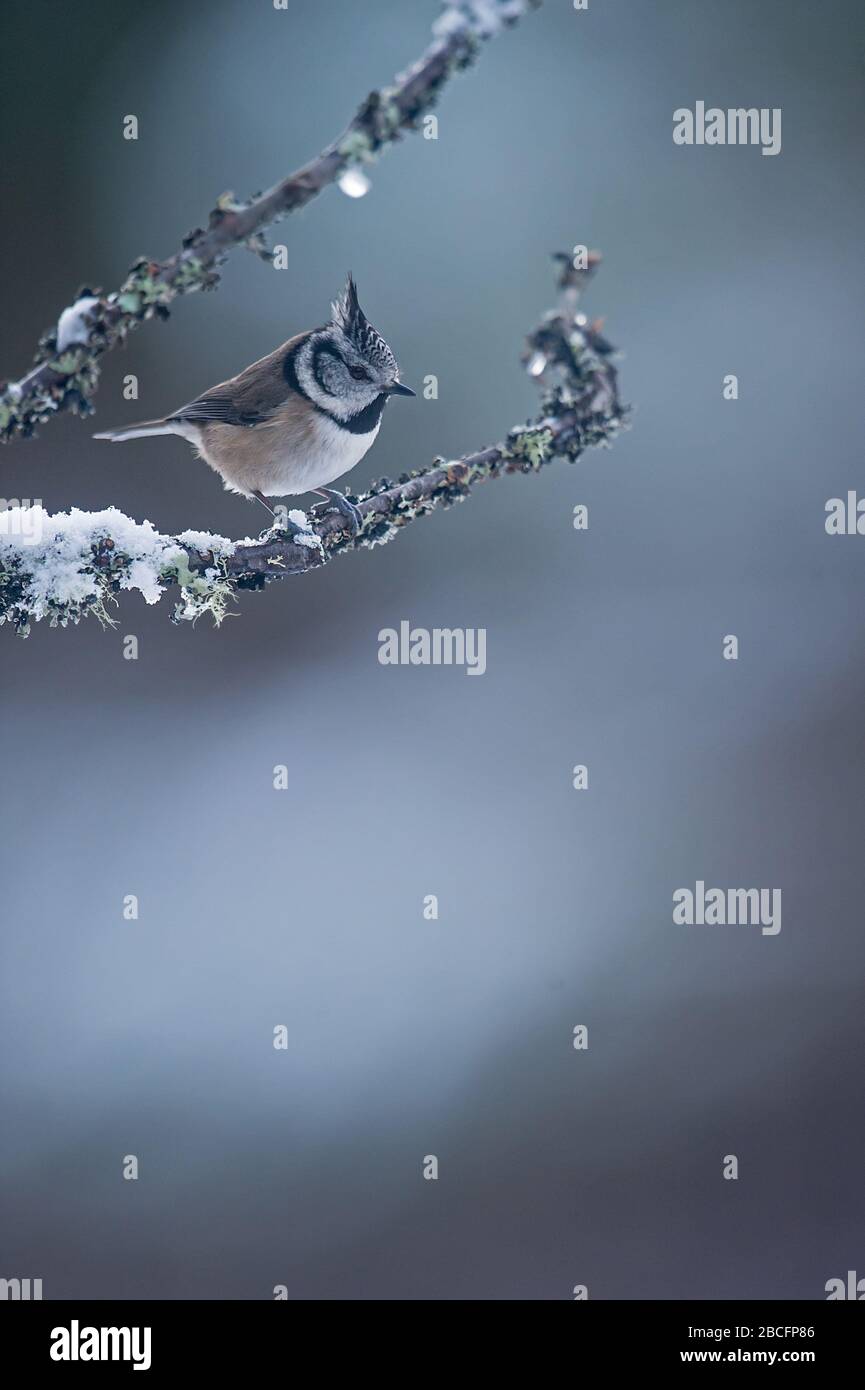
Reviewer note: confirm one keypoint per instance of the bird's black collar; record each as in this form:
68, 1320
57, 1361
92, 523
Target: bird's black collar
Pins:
363, 422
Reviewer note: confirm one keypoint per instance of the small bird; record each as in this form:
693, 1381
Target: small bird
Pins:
296, 419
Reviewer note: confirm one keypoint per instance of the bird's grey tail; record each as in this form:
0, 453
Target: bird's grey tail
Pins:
139, 431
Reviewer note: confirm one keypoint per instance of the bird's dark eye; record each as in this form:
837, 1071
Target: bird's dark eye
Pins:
360, 373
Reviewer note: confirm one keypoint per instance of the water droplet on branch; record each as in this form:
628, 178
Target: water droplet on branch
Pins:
354, 183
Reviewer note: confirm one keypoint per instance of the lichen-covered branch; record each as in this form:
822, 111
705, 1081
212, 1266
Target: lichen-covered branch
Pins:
62, 567
66, 370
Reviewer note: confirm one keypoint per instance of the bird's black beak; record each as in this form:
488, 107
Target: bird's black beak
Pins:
399, 390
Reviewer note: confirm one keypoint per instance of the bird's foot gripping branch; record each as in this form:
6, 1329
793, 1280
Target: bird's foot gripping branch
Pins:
65, 566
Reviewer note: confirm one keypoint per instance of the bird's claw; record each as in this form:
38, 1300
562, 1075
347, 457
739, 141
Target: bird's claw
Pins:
340, 503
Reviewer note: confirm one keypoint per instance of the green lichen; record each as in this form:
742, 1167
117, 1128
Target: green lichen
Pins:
148, 288
388, 116
356, 148
67, 363
530, 445
209, 591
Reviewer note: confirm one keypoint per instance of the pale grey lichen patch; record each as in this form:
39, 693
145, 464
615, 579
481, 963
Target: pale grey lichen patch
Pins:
202, 592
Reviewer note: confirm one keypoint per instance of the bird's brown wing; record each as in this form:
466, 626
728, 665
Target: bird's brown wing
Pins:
250, 398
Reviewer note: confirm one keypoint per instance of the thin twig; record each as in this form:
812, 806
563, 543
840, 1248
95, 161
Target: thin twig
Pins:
65, 375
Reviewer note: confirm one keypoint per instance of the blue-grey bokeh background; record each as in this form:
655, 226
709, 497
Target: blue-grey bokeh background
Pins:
154, 777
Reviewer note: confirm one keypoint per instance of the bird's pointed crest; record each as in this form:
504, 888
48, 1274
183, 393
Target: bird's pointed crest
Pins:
350, 319
347, 313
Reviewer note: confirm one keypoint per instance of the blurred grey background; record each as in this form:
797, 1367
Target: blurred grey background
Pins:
304, 908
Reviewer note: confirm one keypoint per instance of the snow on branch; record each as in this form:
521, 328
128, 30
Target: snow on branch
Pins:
66, 370
65, 566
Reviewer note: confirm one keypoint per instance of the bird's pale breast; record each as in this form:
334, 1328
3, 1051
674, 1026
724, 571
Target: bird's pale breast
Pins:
296, 450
